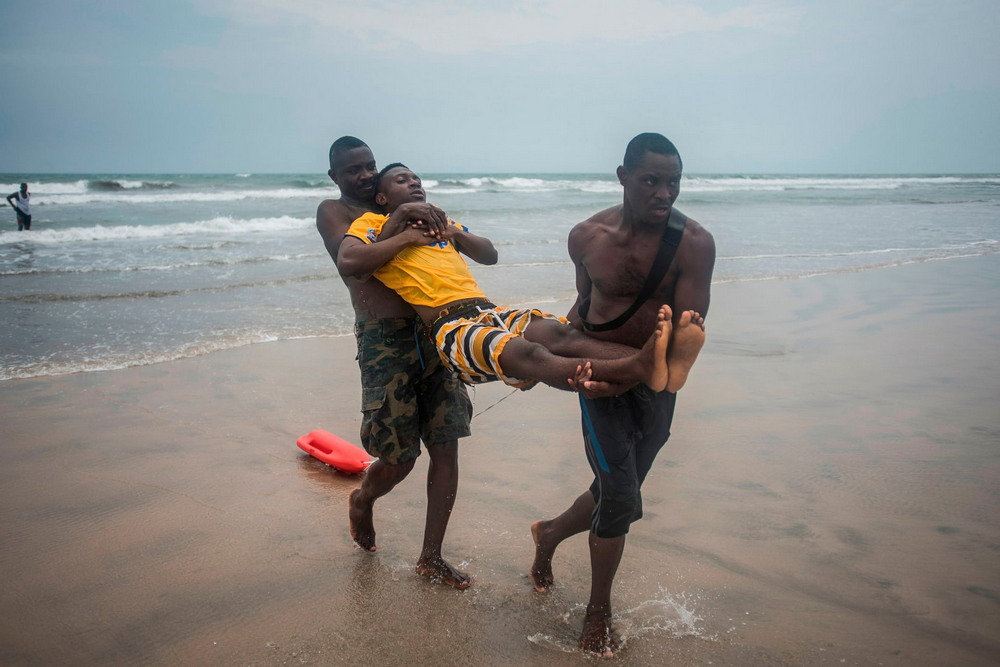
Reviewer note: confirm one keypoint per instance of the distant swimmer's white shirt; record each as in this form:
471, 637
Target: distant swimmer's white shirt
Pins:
23, 203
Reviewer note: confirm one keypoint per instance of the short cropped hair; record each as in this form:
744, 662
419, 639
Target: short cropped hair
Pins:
385, 170
342, 145
648, 142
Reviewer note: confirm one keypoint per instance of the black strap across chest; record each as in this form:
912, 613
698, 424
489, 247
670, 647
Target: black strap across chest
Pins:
664, 256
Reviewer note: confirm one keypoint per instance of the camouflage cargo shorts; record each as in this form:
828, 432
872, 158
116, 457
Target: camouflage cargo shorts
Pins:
407, 394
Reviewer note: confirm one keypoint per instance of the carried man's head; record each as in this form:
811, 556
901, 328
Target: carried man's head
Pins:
396, 185
352, 168
651, 177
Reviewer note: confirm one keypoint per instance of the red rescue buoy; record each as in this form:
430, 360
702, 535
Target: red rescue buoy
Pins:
335, 451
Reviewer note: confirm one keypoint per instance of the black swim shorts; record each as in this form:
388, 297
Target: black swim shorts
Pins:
622, 436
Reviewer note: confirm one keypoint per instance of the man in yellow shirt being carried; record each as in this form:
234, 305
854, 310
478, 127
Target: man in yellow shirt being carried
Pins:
483, 342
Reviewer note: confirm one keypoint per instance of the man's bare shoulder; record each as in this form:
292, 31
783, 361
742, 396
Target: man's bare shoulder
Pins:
333, 219
696, 253
334, 212
699, 238
609, 216
603, 221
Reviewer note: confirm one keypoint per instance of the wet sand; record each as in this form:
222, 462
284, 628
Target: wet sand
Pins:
829, 497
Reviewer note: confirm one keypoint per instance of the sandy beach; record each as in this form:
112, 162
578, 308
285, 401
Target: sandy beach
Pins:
829, 497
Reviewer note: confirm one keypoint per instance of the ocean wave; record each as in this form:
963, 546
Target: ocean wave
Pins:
179, 266
43, 189
700, 183
43, 192
219, 225
312, 183
137, 190
117, 185
154, 194
120, 360
984, 247
500, 183
522, 184
792, 183
160, 294
812, 273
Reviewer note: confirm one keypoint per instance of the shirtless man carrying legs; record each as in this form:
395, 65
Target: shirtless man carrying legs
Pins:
480, 341
407, 395
623, 433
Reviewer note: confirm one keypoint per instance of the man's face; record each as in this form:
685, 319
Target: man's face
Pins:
399, 186
355, 173
652, 186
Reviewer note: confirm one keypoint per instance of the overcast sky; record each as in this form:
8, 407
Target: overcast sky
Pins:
500, 86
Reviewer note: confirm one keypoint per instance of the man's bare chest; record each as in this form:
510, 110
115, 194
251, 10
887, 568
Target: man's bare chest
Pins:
621, 271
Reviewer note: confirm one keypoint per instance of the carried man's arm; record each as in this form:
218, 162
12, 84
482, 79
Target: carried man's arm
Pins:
405, 227
477, 248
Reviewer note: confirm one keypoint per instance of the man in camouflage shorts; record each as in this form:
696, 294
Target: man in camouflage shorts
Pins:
407, 395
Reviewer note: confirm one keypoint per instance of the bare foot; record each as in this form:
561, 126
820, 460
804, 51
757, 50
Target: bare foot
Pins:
541, 569
688, 338
596, 636
437, 569
653, 355
360, 518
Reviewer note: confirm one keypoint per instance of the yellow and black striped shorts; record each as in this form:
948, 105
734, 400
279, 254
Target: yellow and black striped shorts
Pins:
471, 343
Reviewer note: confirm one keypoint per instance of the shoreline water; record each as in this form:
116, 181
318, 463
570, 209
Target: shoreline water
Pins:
828, 497
122, 270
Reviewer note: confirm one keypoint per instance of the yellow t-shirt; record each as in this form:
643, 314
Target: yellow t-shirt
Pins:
430, 275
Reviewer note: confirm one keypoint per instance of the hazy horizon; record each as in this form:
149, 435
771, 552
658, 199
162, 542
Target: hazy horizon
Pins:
530, 86
610, 174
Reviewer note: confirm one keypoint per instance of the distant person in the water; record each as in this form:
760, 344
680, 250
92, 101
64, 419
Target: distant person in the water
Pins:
480, 341
21, 203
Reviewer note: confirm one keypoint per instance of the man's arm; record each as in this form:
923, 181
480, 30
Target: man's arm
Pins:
357, 259
9, 198
697, 261
583, 283
332, 223
477, 248
333, 219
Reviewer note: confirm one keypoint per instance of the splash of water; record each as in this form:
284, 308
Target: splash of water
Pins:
674, 615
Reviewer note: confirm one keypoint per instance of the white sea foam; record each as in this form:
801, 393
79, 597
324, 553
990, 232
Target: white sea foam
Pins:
46, 189
153, 191
221, 225
515, 184
120, 267
118, 360
220, 252
699, 183
949, 250
174, 197
783, 184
